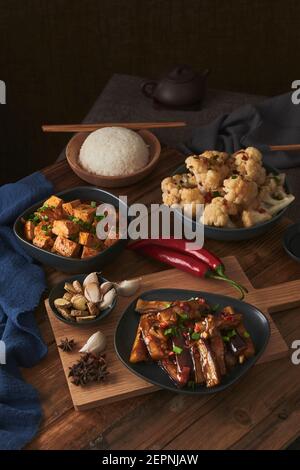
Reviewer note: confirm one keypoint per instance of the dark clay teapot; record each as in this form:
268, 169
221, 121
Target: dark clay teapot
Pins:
181, 88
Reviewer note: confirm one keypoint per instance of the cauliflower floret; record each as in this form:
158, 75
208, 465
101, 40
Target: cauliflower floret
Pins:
253, 217
218, 212
240, 191
249, 164
210, 168
181, 190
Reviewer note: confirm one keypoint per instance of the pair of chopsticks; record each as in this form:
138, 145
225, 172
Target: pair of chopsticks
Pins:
138, 126
94, 127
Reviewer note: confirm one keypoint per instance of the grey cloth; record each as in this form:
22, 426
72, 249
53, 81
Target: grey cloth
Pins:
273, 121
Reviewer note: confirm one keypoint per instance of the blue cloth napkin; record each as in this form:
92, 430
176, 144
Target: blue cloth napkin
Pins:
273, 121
21, 285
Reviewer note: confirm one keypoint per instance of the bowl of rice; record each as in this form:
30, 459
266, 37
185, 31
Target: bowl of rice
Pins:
113, 156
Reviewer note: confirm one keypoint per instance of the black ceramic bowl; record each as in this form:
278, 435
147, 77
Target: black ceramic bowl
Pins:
233, 234
291, 241
58, 291
74, 265
255, 322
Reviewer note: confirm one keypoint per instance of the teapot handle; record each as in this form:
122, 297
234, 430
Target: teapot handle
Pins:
148, 88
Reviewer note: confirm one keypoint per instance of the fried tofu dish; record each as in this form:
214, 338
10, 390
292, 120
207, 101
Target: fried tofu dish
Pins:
68, 228
234, 189
193, 342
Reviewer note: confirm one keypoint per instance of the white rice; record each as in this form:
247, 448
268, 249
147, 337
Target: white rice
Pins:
113, 151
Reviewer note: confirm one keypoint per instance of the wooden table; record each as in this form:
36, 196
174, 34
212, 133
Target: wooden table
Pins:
260, 412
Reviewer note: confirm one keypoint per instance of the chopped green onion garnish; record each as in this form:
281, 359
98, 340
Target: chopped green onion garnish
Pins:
226, 339
246, 334
195, 335
191, 384
98, 218
177, 350
214, 308
216, 194
231, 333
234, 177
93, 204
183, 315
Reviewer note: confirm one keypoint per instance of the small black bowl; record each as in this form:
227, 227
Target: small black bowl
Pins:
255, 322
233, 234
74, 265
58, 291
291, 241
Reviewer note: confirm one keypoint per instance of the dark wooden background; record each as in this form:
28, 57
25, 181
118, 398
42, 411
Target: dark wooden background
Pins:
56, 56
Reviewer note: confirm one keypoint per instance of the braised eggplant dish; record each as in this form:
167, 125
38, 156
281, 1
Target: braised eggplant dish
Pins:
191, 341
68, 228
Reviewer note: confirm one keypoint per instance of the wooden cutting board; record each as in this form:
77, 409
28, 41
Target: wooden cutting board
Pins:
121, 382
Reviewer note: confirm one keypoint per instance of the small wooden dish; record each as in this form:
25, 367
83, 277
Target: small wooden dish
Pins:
72, 154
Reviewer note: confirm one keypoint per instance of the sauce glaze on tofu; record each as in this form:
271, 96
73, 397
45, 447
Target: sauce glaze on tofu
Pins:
68, 228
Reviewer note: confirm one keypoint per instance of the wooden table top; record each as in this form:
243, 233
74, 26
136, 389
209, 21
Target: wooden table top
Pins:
260, 412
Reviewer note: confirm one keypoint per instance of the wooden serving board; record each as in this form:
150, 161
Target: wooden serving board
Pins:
121, 382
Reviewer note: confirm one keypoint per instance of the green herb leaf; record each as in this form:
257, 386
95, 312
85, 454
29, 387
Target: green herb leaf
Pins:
246, 334
231, 333
177, 350
191, 384
226, 339
234, 177
98, 218
183, 315
45, 217
214, 308
216, 194
93, 204
195, 335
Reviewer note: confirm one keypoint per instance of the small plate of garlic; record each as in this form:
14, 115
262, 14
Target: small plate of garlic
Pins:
86, 299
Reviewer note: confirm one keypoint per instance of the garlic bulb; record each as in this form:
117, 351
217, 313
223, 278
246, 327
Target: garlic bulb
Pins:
92, 292
127, 288
91, 278
108, 299
95, 344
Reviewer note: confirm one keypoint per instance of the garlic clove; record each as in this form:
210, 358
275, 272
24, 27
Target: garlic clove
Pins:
91, 278
106, 286
108, 299
95, 344
93, 293
78, 287
128, 288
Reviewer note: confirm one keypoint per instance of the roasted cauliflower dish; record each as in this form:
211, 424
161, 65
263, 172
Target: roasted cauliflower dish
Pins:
234, 189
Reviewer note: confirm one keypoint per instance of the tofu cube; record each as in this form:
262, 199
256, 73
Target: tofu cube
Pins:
66, 247
88, 252
29, 230
43, 228
65, 228
43, 241
90, 240
48, 214
68, 207
85, 213
53, 202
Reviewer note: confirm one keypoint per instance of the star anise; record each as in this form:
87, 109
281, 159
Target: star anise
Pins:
67, 345
89, 368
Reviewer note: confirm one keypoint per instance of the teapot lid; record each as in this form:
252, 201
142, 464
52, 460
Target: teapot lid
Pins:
181, 74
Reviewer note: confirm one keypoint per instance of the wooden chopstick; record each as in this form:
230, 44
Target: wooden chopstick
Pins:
93, 127
287, 148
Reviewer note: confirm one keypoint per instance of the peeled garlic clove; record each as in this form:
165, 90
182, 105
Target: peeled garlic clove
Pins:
69, 288
79, 302
77, 286
95, 344
106, 286
62, 303
68, 296
91, 278
108, 299
92, 293
127, 288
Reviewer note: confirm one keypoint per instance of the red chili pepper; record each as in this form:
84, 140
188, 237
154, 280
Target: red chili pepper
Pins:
185, 262
181, 246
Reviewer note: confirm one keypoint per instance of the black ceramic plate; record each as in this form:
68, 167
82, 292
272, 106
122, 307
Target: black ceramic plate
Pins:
255, 322
73, 265
58, 291
234, 234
